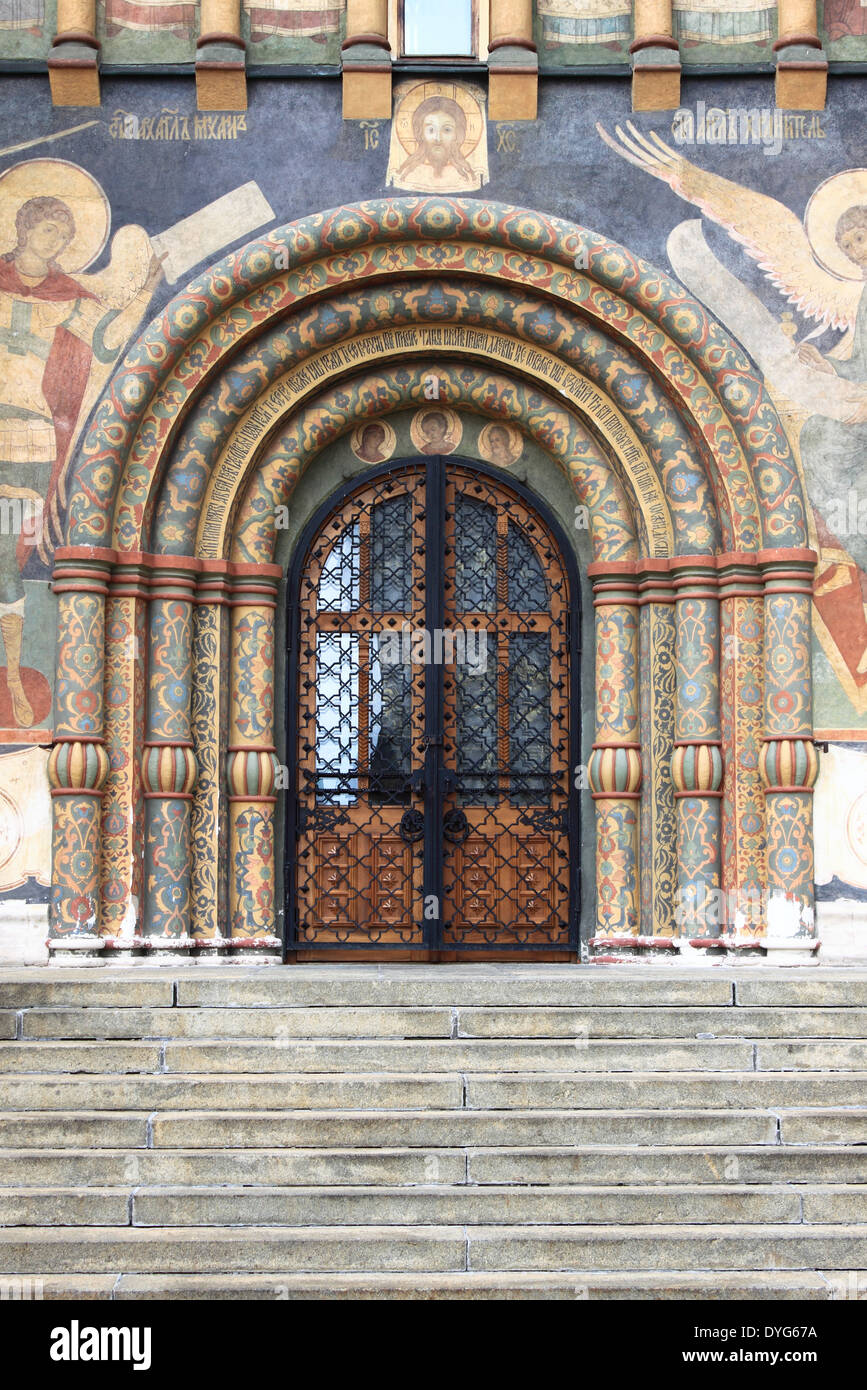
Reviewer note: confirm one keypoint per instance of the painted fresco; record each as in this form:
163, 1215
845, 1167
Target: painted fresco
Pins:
841, 820
439, 138
60, 333
724, 31
293, 31
155, 31
62, 329
756, 211
818, 264
27, 27
583, 31
843, 26
25, 820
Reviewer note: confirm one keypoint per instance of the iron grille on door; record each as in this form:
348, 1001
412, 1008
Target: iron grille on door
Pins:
433, 659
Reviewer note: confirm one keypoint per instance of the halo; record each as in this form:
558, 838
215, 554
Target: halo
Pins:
451, 91
516, 441
74, 186
389, 440
454, 427
824, 210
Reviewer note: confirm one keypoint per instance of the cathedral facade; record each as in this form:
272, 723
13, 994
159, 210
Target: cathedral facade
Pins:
432, 465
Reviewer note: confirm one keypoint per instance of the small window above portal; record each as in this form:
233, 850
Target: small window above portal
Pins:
447, 29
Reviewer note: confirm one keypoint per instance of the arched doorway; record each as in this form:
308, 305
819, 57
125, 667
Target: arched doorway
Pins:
433, 721
167, 765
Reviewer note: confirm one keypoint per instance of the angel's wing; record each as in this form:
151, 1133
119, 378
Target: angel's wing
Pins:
769, 231
121, 301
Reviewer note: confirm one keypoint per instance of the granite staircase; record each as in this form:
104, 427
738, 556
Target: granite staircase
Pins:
488, 1131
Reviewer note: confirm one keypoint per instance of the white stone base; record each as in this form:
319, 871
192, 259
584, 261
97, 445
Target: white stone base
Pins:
842, 929
23, 933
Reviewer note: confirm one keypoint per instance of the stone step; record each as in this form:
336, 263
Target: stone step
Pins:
456, 1128
667, 1247
394, 1055
832, 988
74, 1130
467, 1205
455, 1055
828, 1126
713, 1286
659, 1022
394, 1167
398, 986
774, 1285
323, 1022
811, 1056
405, 986
65, 1206
30, 989
431, 1130
273, 1092
216, 1167
370, 1022
179, 1250
770, 1163
665, 1091
90, 1057
405, 1091
434, 1205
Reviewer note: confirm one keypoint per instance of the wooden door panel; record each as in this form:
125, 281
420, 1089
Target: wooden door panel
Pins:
433, 792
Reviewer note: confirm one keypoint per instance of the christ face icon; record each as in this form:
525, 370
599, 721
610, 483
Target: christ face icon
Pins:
439, 127
440, 133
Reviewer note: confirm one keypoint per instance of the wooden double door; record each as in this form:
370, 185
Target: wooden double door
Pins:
432, 722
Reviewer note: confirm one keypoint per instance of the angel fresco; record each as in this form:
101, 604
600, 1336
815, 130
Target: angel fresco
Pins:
60, 335
820, 266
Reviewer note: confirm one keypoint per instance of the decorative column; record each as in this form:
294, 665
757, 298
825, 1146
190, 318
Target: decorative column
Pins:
513, 67
73, 64
655, 58
696, 766
789, 762
658, 874
221, 78
366, 61
744, 844
122, 806
252, 762
168, 761
615, 765
210, 831
78, 764
802, 68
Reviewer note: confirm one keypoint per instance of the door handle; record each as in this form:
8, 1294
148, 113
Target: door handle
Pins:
456, 827
411, 828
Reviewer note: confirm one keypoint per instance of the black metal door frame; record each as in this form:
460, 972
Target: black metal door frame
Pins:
434, 771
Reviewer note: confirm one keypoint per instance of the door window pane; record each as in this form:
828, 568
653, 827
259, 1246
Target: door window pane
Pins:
390, 724
336, 718
528, 591
391, 555
338, 581
530, 717
438, 28
477, 726
475, 556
